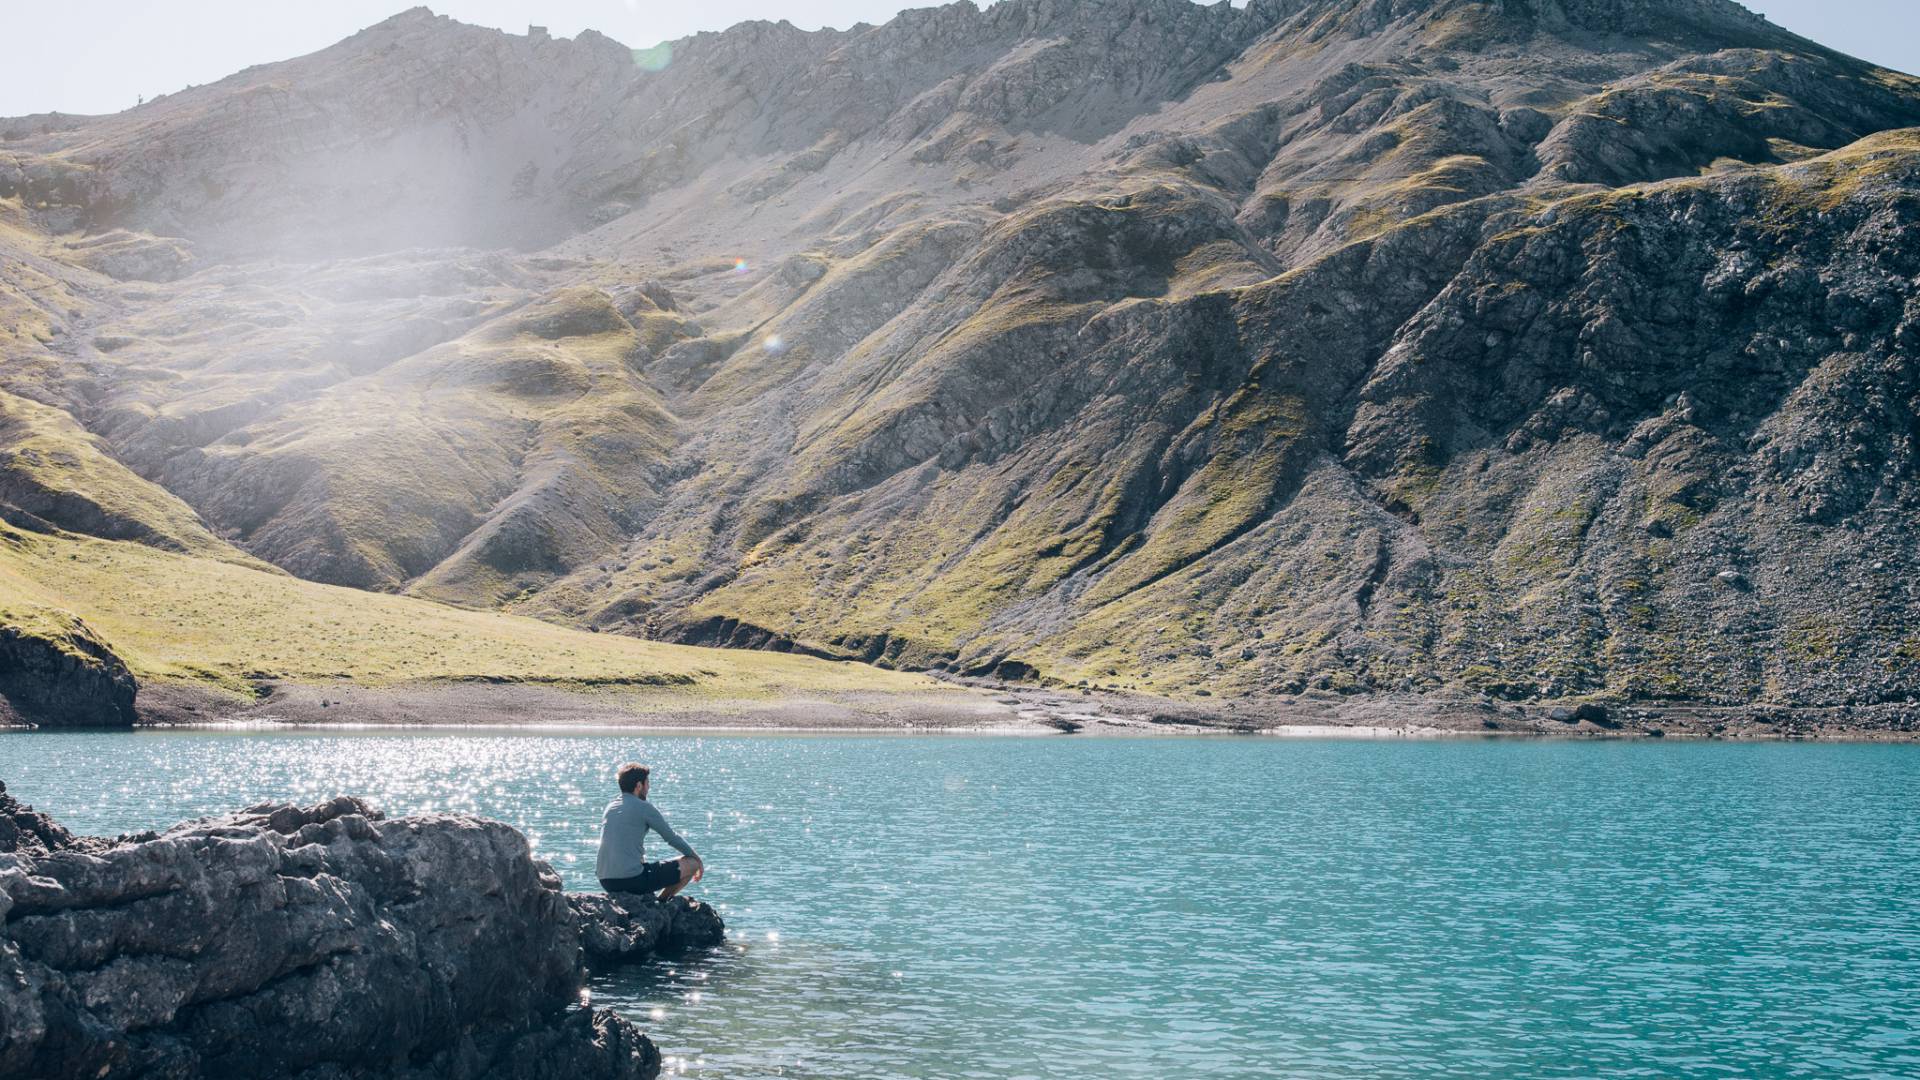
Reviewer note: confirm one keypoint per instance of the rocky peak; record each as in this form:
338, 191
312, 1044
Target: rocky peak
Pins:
442, 41
1631, 16
424, 130
419, 14
1604, 16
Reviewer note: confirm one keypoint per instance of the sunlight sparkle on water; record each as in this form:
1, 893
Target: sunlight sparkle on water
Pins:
1250, 910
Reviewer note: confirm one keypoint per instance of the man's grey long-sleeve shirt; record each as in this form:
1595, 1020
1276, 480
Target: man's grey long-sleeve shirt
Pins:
623, 832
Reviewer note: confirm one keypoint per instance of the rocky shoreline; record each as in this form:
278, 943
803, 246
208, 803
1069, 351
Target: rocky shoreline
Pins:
1392, 715
322, 943
1022, 708
997, 707
55, 671
64, 676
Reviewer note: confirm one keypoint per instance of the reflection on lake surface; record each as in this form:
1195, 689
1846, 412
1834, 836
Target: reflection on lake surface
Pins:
1079, 907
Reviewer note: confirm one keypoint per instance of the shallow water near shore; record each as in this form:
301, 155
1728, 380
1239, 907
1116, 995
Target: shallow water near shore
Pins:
1091, 907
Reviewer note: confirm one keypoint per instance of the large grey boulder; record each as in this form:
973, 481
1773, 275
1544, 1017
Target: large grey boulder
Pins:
321, 942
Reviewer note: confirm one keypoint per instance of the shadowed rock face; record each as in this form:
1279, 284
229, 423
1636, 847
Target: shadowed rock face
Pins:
1396, 345
314, 942
55, 670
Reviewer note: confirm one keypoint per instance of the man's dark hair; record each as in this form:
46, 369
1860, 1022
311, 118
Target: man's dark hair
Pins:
631, 774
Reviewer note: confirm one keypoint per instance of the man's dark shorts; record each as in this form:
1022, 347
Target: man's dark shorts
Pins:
657, 876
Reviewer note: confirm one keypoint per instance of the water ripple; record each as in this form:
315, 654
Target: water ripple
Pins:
951, 907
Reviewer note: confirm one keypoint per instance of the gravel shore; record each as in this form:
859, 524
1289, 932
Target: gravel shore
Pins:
985, 706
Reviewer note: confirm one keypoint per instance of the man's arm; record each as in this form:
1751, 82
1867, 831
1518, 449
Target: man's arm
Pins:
659, 824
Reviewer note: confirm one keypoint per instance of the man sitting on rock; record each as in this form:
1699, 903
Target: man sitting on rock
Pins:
622, 866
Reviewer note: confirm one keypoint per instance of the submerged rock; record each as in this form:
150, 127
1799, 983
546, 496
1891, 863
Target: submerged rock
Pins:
320, 942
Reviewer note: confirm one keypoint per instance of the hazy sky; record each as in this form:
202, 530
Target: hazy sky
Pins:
92, 56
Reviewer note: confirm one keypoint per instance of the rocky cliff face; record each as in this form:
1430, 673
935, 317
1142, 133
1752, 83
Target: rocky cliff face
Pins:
319, 942
1532, 347
55, 670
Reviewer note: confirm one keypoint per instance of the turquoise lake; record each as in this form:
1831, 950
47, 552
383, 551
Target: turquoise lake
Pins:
1219, 907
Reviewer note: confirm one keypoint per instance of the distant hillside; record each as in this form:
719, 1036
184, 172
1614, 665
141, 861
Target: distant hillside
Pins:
205, 625
1540, 348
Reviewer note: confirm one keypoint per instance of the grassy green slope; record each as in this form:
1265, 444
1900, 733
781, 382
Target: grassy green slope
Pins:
186, 618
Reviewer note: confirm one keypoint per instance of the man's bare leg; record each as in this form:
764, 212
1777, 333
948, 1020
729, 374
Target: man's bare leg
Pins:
689, 871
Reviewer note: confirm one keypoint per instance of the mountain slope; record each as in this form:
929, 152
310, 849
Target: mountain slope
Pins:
1535, 347
186, 620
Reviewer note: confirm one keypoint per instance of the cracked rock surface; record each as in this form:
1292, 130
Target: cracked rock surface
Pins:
624, 928
311, 942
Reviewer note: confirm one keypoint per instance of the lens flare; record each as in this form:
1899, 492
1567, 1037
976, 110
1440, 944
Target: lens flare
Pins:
739, 266
774, 344
654, 59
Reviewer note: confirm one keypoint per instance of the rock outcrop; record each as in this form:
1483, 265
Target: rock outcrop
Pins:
624, 928
56, 671
1539, 349
26, 831
320, 943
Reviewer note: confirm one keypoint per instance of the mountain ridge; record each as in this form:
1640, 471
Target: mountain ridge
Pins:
1413, 345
